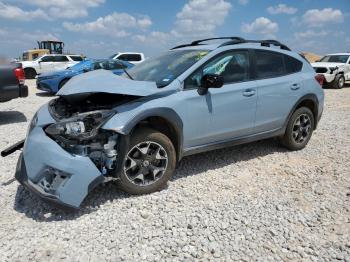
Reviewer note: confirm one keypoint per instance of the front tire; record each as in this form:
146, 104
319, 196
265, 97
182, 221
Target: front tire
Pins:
299, 129
149, 162
339, 82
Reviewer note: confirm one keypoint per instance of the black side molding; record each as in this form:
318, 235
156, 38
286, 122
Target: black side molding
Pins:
13, 148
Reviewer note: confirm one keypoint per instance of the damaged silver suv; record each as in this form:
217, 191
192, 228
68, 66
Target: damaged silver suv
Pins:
136, 127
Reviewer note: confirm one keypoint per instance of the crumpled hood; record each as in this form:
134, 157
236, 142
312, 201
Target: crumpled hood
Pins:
103, 81
326, 64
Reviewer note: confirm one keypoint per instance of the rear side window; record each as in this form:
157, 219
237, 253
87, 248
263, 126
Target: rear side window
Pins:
60, 58
292, 65
76, 58
130, 57
269, 64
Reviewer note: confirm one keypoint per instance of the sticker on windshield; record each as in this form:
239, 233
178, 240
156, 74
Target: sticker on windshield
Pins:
200, 55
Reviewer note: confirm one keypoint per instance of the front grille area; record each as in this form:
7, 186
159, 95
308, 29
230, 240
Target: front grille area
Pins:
321, 70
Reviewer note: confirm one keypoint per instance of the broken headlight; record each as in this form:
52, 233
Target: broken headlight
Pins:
332, 69
82, 126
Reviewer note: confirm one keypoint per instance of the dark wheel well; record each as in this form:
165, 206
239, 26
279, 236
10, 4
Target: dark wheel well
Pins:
63, 82
312, 106
163, 126
29, 72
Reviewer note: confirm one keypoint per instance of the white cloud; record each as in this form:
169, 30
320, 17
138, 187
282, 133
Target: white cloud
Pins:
310, 34
262, 26
316, 17
243, 2
282, 9
200, 18
115, 25
49, 9
15, 13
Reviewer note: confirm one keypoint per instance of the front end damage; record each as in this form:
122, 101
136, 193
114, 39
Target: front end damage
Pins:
67, 152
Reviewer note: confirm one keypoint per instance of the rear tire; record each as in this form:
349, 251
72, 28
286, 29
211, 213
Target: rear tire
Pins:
299, 129
339, 82
149, 162
29, 73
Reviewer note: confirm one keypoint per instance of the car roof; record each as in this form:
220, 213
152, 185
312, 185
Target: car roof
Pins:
212, 47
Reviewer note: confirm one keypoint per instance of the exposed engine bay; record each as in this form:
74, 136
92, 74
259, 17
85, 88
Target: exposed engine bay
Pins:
78, 131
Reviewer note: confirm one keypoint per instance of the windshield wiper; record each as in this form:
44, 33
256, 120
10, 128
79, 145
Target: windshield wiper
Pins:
126, 72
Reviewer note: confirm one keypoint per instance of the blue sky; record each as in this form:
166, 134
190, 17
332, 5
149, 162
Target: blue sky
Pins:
98, 28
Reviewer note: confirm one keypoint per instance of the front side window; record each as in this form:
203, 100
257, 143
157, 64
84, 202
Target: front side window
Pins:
335, 59
47, 59
232, 66
166, 67
269, 64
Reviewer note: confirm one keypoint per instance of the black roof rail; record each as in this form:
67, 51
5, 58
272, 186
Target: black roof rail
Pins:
266, 43
198, 42
234, 40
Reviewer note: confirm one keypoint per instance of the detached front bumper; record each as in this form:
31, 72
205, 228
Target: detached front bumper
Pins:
49, 171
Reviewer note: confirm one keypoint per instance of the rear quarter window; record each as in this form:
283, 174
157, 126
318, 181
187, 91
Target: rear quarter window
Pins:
76, 58
292, 65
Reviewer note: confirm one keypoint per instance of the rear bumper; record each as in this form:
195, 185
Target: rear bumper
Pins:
13, 91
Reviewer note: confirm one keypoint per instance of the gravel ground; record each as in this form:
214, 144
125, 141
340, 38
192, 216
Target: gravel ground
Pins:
252, 202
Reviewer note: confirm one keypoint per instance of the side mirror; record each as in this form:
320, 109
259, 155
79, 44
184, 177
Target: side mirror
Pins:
210, 81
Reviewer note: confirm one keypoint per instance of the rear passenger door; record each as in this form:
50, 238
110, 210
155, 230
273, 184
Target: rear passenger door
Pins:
61, 62
279, 87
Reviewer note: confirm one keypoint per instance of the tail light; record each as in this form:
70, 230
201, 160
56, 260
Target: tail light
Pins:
19, 73
320, 79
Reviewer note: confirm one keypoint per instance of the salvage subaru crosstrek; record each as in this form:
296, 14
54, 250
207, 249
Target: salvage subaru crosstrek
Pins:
136, 127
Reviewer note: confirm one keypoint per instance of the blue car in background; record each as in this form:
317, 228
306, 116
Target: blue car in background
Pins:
54, 81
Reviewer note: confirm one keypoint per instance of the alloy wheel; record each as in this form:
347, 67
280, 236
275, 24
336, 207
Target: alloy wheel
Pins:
145, 163
301, 128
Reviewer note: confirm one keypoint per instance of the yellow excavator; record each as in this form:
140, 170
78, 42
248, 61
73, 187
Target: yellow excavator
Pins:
44, 47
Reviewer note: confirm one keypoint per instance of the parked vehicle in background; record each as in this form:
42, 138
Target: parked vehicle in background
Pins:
49, 63
12, 82
335, 68
131, 57
54, 81
193, 98
44, 47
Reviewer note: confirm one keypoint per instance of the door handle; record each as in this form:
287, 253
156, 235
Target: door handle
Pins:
295, 86
249, 92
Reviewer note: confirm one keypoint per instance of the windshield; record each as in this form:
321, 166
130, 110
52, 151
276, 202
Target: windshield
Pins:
335, 58
81, 65
166, 67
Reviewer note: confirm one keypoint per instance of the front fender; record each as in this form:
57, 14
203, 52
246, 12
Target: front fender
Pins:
124, 122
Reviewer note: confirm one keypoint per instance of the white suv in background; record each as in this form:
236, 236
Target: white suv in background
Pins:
48, 63
131, 57
335, 68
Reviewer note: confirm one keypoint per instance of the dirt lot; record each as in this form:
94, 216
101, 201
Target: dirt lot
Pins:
252, 202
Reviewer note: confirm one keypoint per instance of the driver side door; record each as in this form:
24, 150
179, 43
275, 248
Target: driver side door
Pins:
229, 111
46, 64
